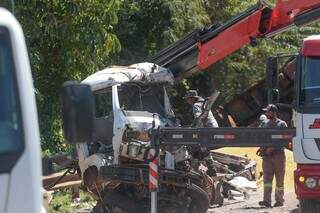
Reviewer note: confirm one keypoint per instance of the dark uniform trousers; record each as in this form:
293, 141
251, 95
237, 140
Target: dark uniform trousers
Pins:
274, 166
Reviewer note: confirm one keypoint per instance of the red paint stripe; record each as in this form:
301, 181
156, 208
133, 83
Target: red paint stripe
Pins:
287, 136
154, 174
151, 186
153, 171
229, 136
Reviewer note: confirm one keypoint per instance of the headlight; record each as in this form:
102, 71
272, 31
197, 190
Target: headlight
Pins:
301, 179
310, 182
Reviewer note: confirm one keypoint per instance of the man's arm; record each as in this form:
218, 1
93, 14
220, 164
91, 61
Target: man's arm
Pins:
283, 124
197, 110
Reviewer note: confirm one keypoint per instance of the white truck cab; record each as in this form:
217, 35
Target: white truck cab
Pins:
20, 163
126, 102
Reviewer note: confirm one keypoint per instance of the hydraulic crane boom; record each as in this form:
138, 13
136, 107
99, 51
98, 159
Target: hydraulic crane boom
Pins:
204, 47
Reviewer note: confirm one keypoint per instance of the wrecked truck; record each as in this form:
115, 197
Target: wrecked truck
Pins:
128, 103
129, 100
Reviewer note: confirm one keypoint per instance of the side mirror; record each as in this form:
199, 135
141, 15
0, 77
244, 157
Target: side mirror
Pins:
77, 112
272, 79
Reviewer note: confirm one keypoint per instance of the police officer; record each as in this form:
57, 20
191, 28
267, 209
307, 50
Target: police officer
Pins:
273, 161
197, 104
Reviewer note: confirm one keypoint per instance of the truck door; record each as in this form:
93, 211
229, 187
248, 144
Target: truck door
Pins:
310, 99
307, 145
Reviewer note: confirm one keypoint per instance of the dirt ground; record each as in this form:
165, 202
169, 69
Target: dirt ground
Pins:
251, 205
248, 206
245, 206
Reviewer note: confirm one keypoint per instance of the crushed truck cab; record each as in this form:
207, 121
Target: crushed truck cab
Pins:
127, 101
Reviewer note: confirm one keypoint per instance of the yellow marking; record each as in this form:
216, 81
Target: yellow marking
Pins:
267, 185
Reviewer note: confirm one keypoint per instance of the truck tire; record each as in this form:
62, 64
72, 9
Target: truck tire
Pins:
116, 202
122, 204
200, 200
309, 206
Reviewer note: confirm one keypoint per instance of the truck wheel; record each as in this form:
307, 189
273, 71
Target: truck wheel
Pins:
199, 200
116, 202
309, 206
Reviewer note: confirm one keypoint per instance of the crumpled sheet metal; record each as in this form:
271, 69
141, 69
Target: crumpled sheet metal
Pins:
142, 72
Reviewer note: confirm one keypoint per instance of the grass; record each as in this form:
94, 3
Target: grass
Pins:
61, 202
251, 154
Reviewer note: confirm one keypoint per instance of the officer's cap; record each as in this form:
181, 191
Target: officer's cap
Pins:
271, 108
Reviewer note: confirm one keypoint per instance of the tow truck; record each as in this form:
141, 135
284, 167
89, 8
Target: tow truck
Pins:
121, 131
20, 167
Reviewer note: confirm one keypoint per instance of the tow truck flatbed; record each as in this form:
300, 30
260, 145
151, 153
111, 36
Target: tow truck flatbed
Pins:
224, 137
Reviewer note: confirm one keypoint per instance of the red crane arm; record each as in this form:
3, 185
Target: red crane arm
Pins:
228, 41
288, 6
263, 22
286, 11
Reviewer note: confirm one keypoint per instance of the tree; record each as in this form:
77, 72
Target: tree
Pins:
67, 40
147, 26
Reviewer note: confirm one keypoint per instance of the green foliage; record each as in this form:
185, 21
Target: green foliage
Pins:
67, 40
147, 26
61, 202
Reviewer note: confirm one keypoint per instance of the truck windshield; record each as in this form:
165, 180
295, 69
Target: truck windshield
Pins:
11, 134
134, 97
310, 81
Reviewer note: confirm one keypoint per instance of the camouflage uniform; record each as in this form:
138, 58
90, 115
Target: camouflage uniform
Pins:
273, 164
210, 121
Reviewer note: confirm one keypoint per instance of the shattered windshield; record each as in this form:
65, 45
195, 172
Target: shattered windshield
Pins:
135, 97
310, 81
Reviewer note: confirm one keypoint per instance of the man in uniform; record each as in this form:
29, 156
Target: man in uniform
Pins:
273, 161
197, 104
